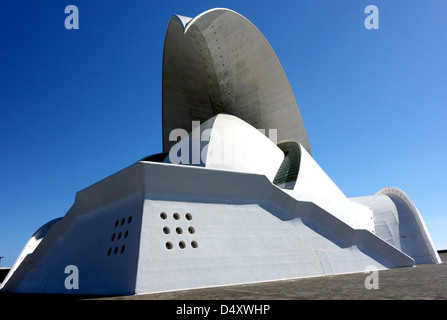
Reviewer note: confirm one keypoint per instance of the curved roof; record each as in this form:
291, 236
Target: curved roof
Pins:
219, 62
394, 192
225, 142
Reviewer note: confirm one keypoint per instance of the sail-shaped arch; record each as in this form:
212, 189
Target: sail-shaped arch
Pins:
219, 62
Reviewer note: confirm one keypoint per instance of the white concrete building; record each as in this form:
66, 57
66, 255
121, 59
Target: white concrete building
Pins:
225, 204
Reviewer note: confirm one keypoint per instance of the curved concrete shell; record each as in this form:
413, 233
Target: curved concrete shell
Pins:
398, 221
238, 207
225, 142
219, 62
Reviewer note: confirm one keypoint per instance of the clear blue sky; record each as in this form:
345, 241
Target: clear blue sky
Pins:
79, 105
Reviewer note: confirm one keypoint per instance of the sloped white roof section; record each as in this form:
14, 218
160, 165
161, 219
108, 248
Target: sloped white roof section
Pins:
219, 62
226, 142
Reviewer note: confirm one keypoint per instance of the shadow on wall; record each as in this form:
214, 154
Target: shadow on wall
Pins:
3, 273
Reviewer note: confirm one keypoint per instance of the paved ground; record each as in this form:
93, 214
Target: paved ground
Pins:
416, 283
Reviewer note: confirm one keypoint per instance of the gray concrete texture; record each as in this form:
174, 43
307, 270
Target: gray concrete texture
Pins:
208, 68
422, 282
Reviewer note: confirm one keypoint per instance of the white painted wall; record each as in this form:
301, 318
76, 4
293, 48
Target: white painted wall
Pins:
314, 185
243, 234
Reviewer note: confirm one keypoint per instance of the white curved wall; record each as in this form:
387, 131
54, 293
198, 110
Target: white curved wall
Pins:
226, 142
30, 246
314, 185
398, 221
